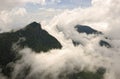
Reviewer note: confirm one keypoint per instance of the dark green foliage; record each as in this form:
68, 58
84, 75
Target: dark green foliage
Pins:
63, 75
23, 72
38, 39
6, 53
35, 38
88, 75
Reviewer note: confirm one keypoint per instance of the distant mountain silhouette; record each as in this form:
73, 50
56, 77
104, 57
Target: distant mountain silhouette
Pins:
86, 29
89, 30
32, 36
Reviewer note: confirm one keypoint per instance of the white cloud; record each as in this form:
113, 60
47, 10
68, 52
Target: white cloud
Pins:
19, 17
103, 14
8, 19
12, 13
20, 11
42, 2
9, 4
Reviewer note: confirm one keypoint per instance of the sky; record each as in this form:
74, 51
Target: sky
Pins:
12, 12
35, 4
61, 4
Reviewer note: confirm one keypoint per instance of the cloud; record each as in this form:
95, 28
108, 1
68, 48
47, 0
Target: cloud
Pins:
102, 15
6, 5
57, 62
8, 18
13, 12
17, 18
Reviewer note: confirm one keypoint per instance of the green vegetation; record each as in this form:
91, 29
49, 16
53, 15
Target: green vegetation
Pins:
88, 75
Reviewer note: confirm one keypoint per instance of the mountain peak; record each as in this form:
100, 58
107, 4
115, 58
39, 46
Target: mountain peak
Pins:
34, 25
86, 29
32, 36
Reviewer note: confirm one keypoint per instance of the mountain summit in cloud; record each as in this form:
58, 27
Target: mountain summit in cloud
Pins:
38, 40
58, 49
88, 30
32, 36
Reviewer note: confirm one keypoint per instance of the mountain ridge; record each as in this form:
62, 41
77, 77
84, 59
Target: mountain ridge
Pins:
32, 36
